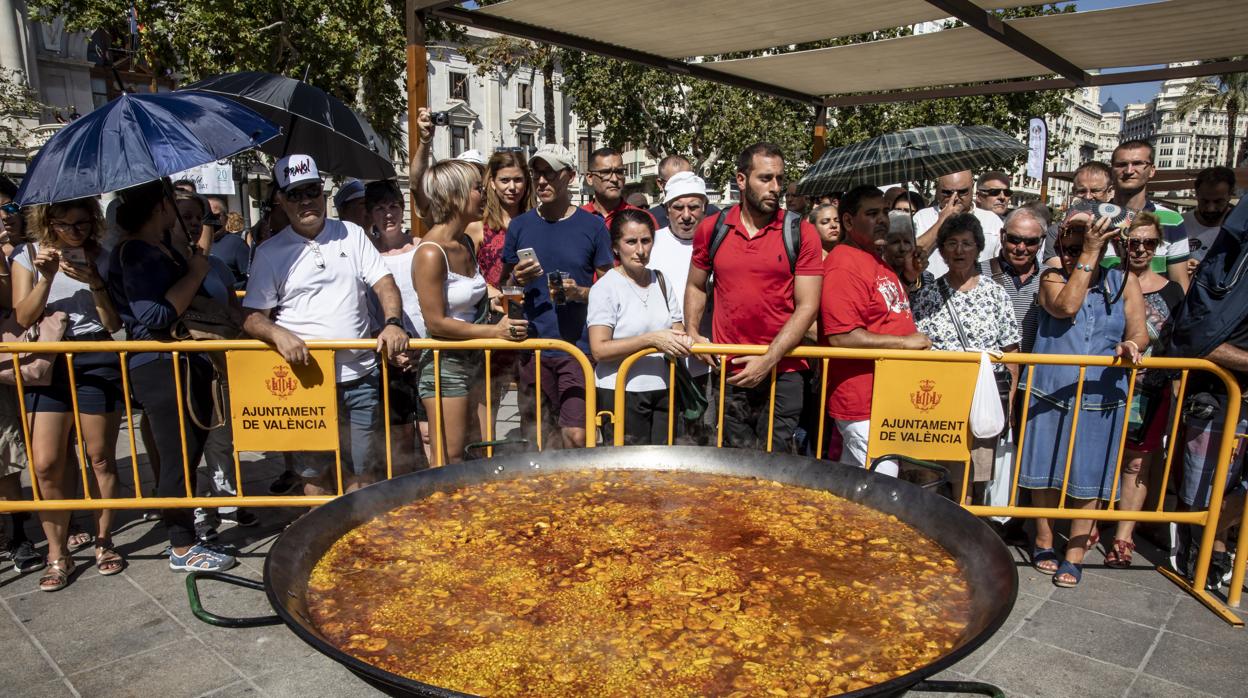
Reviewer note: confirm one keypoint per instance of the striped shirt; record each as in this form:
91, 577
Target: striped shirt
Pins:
1023, 296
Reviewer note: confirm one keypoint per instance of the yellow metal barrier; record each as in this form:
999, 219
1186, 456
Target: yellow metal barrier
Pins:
125, 349
1236, 590
1208, 518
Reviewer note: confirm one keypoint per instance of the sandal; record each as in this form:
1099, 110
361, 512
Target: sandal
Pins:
107, 560
1094, 537
1071, 570
57, 575
1039, 556
78, 538
1120, 553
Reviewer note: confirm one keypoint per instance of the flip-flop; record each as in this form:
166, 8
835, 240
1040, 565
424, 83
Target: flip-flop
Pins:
1070, 568
1039, 555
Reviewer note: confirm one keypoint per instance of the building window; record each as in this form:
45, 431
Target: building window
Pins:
459, 86
99, 92
524, 96
525, 140
459, 140
582, 150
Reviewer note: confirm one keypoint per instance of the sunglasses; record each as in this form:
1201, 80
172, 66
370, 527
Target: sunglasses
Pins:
309, 192
614, 172
996, 192
317, 257
1071, 250
951, 192
1149, 244
11, 208
1019, 240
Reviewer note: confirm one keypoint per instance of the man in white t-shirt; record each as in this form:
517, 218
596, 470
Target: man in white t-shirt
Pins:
309, 282
1214, 186
953, 196
685, 203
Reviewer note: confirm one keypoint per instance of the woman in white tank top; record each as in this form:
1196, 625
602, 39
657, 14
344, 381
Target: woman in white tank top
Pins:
453, 302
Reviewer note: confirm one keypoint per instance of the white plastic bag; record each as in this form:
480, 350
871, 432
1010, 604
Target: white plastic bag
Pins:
987, 420
1002, 475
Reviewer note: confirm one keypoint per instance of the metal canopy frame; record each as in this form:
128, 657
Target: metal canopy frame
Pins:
984, 21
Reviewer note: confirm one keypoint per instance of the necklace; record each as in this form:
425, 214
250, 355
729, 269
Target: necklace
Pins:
632, 285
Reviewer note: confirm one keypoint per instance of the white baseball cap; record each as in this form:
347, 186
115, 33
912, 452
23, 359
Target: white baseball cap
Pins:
683, 184
474, 156
555, 155
293, 170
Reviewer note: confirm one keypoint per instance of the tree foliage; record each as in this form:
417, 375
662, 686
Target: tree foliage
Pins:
17, 102
1225, 92
353, 49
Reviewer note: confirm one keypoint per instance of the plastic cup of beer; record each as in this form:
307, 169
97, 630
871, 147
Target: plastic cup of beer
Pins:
513, 301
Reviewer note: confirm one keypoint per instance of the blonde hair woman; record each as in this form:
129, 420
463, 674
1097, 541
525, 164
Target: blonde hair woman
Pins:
60, 271
452, 295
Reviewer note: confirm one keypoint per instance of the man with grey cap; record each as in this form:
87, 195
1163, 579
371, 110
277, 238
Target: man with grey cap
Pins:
684, 206
557, 238
308, 282
349, 203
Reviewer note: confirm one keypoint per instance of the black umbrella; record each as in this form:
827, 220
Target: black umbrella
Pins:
315, 123
906, 156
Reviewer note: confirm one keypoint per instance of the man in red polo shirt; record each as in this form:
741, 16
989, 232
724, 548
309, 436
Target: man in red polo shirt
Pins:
605, 175
759, 299
864, 307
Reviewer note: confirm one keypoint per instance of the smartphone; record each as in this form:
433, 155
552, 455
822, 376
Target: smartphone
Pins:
75, 256
527, 254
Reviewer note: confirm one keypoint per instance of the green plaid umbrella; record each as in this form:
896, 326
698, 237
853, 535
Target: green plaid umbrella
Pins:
906, 156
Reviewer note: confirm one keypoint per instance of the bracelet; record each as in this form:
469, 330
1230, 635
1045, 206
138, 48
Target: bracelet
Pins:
1088, 268
1132, 343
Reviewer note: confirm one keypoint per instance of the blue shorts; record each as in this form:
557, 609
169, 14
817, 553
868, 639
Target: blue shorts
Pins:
359, 431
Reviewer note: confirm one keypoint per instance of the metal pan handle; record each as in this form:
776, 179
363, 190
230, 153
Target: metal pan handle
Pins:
197, 607
939, 473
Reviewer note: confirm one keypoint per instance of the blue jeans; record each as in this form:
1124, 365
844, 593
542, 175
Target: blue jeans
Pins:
359, 430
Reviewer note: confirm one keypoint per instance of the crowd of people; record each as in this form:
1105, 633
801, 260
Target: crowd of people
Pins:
507, 255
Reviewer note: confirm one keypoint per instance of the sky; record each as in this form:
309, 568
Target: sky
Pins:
1122, 94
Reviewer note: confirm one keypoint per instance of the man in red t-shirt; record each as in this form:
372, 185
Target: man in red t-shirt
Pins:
864, 307
605, 175
758, 300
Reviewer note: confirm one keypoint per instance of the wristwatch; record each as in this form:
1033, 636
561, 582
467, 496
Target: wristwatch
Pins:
395, 322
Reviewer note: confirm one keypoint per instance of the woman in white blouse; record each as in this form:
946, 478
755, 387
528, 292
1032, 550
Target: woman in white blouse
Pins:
632, 308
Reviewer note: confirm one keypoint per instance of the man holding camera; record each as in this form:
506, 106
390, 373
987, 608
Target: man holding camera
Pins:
557, 247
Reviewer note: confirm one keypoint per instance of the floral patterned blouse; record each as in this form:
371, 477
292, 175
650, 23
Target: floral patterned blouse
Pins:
490, 255
985, 312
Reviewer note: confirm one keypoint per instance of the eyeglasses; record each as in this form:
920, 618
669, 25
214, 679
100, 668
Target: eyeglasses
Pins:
613, 172
959, 192
1090, 192
1149, 244
11, 208
82, 227
317, 257
1071, 250
1135, 164
956, 245
996, 192
305, 193
1013, 239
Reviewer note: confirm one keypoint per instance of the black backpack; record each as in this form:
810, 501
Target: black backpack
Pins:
1217, 302
792, 237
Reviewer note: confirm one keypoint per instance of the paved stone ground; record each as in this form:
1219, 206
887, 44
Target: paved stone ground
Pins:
1121, 633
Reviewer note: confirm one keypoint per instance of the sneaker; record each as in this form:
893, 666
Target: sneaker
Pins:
25, 558
1219, 563
241, 517
202, 557
285, 483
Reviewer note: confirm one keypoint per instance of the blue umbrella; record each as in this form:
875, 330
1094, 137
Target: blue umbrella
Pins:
139, 138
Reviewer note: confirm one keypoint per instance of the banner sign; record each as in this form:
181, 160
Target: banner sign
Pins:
213, 178
1037, 147
275, 406
920, 409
